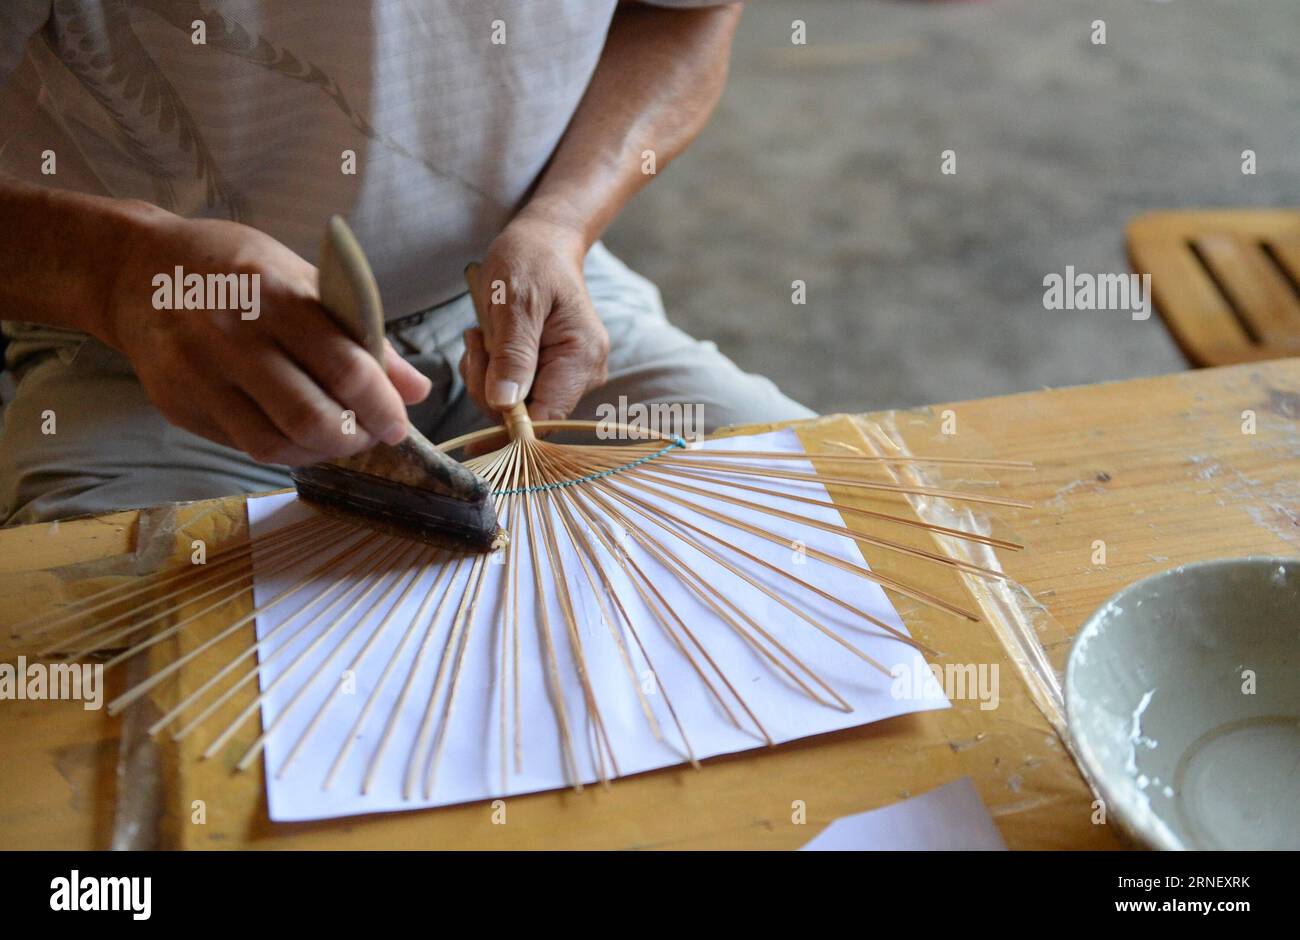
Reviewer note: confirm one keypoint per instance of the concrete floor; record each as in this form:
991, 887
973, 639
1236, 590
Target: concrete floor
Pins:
823, 163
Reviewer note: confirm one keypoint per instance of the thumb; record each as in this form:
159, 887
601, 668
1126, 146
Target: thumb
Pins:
512, 342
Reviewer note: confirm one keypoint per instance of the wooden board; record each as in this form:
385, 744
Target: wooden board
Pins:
1226, 282
1159, 470
741, 801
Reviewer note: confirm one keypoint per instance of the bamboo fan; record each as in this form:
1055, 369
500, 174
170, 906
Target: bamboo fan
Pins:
605, 505
646, 489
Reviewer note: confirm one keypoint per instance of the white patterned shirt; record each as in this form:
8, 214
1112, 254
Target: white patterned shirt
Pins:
424, 122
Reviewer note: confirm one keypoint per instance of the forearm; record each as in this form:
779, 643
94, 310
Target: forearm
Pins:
60, 252
658, 78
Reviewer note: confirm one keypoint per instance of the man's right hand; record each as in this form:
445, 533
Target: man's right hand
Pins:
275, 387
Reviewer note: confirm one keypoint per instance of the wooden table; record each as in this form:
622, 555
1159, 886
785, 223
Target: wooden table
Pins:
1151, 473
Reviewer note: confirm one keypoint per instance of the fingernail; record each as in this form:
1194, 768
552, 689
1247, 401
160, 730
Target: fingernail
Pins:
504, 394
395, 433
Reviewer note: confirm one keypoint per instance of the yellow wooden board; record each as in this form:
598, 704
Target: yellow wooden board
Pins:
1158, 471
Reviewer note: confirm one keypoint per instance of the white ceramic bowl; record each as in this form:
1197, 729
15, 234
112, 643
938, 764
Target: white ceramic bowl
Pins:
1183, 697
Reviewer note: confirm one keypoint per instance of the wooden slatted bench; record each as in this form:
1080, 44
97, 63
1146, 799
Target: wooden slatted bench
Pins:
1225, 282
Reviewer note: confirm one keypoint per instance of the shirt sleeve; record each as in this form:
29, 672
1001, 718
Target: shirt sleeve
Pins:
20, 20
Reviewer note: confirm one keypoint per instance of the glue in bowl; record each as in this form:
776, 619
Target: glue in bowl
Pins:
1183, 698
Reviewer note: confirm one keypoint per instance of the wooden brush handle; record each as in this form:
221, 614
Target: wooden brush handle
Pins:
516, 418
348, 289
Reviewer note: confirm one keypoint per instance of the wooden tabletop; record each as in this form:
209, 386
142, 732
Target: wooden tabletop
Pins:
1132, 478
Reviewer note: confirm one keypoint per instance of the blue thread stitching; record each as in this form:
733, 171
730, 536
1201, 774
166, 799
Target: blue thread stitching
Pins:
541, 487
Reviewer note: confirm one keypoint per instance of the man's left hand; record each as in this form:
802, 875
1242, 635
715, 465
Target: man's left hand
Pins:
548, 346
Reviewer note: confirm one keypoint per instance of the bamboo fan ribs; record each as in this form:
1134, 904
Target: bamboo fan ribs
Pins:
636, 577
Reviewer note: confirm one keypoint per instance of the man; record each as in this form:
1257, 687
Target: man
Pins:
146, 139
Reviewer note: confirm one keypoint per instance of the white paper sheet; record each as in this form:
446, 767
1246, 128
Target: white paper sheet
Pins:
341, 660
948, 818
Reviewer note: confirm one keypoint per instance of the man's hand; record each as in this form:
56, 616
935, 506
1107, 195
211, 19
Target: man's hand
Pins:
547, 344
659, 76
275, 387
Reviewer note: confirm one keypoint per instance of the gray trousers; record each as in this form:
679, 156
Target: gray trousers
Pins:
111, 449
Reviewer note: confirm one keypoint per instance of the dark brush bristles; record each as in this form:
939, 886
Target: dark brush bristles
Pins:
400, 509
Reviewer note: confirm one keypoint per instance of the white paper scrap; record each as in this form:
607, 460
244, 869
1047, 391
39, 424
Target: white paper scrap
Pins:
493, 704
948, 818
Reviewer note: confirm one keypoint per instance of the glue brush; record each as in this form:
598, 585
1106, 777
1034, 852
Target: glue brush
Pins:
412, 488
